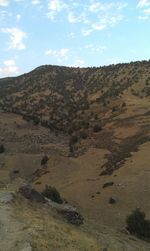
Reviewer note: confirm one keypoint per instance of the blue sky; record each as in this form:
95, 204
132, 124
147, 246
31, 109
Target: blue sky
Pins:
72, 33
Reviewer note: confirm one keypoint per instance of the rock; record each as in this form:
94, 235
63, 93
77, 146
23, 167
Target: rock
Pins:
72, 216
6, 197
112, 200
107, 184
27, 247
15, 171
31, 194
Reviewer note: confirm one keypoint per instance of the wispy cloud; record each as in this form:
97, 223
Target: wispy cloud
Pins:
86, 31
36, 2
147, 11
94, 48
54, 7
143, 3
79, 63
16, 38
103, 15
58, 53
4, 15
9, 68
74, 18
4, 3
93, 15
18, 17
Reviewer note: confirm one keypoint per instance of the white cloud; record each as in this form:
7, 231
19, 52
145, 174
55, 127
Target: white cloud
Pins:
143, 3
36, 2
18, 17
72, 18
145, 6
86, 32
50, 52
94, 15
94, 48
4, 3
98, 27
16, 38
102, 15
58, 53
101, 25
79, 63
63, 52
98, 6
9, 69
54, 7
143, 17
115, 61
147, 12
4, 15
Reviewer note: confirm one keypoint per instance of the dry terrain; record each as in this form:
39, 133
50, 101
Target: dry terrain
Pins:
97, 139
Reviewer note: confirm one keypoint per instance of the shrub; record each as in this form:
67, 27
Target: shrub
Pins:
2, 149
83, 135
52, 194
112, 200
44, 160
85, 124
138, 225
73, 140
97, 128
113, 109
26, 118
36, 120
123, 104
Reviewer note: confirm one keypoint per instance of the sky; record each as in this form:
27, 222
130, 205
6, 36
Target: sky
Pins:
78, 33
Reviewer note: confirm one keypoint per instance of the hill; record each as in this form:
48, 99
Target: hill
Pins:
93, 124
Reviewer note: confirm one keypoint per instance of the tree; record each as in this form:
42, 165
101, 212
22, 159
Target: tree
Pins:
52, 194
44, 160
137, 224
97, 128
2, 149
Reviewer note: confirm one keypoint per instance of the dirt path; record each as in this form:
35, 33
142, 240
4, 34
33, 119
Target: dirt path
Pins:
13, 236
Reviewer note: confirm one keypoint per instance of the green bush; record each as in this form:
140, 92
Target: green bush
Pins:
138, 225
52, 194
2, 149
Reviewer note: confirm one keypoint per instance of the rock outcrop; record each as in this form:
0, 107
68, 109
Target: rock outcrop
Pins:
31, 194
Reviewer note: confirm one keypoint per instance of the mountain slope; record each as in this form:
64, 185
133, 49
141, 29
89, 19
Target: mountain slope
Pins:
93, 124
84, 102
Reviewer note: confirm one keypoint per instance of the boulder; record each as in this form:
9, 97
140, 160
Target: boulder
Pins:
72, 216
6, 197
32, 194
112, 200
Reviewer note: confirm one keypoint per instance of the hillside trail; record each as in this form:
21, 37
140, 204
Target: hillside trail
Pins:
13, 232
13, 235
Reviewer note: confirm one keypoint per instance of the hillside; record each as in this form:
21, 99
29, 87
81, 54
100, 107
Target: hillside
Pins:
93, 124
84, 102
